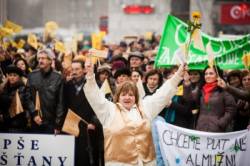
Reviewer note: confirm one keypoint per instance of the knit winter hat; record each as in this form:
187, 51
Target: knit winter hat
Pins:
118, 64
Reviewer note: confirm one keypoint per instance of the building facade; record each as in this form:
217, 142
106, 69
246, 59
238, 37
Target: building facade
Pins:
120, 17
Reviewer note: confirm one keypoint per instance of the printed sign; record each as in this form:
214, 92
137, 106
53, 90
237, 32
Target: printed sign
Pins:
184, 147
36, 149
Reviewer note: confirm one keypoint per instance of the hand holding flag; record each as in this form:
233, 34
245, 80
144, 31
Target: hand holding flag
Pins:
89, 67
71, 123
38, 118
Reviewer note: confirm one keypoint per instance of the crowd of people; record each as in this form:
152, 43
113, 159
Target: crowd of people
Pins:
49, 83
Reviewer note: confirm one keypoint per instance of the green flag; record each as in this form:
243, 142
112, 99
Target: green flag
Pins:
227, 53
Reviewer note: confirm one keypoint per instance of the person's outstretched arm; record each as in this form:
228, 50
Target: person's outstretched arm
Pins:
153, 105
104, 109
242, 94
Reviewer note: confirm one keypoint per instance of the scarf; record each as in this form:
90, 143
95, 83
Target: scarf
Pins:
207, 90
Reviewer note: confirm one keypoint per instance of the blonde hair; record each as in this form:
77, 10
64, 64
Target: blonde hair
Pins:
125, 88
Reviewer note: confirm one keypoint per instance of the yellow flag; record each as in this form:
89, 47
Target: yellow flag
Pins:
13, 43
59, 46
51, 26
5, 32
96, 41
49, 30
102, 34
71, 123
6, 45
148, 35
246, 60
179, 91
20, 43
32, 40
40, 45
11, 25
16, 106
105, 88
38, 104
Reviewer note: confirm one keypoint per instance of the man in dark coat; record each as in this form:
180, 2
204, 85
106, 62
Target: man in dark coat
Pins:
89, 147
49, 85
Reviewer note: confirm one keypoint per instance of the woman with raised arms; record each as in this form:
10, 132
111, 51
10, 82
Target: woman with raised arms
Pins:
127, 120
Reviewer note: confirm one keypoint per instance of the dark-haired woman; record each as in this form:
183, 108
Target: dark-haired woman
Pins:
216, 106
24, 66
13, 115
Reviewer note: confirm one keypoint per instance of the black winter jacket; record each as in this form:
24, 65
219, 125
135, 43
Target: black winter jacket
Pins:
50, 88
19, 122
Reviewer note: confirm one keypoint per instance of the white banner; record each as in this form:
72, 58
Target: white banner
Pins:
36, 149
184, 147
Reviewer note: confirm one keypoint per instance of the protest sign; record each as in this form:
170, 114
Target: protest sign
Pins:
184, 147
36, 149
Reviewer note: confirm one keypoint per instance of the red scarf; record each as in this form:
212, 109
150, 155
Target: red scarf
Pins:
207, 90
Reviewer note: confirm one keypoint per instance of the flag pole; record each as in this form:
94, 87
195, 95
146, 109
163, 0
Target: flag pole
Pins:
192, 26
84, 121
216, 69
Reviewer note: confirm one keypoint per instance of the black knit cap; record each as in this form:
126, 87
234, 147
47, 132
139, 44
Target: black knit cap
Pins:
13, 69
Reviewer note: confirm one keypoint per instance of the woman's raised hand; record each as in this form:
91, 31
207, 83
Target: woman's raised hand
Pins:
186, 79
221, 83
89, 67
182, 70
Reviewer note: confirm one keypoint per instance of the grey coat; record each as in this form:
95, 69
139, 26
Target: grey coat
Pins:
218, 113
